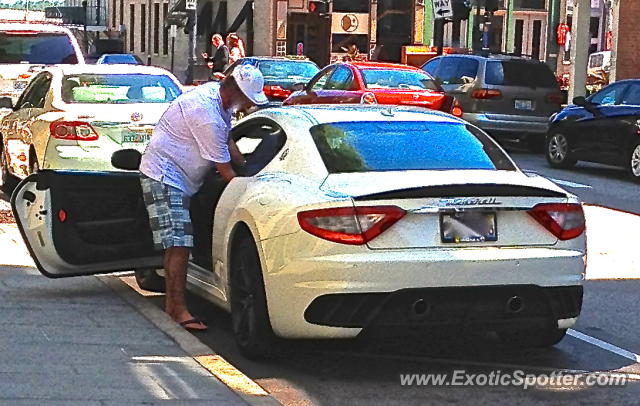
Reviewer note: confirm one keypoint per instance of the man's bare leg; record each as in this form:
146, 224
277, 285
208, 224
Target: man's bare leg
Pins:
175, 265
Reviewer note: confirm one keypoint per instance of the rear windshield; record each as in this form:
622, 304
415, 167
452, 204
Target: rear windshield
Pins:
397, 79
119, 88
404, 146
288, 70
36, 48
520, 73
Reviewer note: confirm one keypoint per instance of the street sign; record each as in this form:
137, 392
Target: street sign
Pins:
442, 9
173, 31
191, 5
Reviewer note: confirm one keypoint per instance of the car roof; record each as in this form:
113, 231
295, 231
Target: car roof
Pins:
115, 69
25, 26
380, 65
331, 113
275, 58
501, 57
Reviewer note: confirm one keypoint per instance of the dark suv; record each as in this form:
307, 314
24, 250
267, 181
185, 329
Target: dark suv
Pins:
508, 97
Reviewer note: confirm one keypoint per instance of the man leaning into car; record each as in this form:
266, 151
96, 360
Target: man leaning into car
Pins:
191, 136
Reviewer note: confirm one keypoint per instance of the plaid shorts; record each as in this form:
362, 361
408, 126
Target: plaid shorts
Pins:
169, 215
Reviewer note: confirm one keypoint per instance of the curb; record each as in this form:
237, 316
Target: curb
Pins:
240, 384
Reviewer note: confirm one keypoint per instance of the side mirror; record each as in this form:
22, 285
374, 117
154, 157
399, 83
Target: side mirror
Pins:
6, 103
298, 87
580, 101
127, 159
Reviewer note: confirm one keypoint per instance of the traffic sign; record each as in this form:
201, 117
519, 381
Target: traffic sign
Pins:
191, 4
442, 9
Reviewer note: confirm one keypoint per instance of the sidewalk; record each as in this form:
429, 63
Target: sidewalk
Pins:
76, 342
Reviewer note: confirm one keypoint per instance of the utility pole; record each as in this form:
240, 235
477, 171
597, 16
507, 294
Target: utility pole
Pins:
85, 38
552, 46
581, 40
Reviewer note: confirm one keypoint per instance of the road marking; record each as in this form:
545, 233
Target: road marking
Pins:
604, 345
230, 375
570, 184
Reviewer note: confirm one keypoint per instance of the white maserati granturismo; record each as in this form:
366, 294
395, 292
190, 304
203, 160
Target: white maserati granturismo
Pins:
346, 219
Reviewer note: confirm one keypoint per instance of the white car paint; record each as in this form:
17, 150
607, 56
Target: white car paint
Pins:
26, 132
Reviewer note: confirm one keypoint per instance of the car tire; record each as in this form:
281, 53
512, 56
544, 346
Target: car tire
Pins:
633, 165
249, 314
532, 338
557, 151
148, 279
8, 182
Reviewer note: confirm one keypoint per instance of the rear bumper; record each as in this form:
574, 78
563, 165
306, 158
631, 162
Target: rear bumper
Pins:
294, 281
486, 307
509, 125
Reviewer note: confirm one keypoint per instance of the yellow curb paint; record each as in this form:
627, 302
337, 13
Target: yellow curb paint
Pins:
230, 376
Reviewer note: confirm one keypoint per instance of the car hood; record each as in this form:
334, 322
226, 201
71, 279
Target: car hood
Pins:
13, 71
369, 183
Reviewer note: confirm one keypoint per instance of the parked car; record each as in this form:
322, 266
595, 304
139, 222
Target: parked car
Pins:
508, 97
76, 116
25, 48
346, 219
281, 74
602, 128
373, 82
115, 59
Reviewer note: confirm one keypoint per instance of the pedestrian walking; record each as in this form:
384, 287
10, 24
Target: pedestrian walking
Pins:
220, 59
190, 138
236, 47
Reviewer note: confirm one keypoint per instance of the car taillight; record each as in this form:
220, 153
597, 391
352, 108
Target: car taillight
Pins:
368, 98
486, 94
554, 98
456, 109
349, 225
564, 220
276, 91
73, 130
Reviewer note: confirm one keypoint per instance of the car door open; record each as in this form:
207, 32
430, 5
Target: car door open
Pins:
83, 223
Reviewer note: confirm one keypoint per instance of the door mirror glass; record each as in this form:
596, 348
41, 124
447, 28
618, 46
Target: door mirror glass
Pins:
580, 101
6, 103
127, 159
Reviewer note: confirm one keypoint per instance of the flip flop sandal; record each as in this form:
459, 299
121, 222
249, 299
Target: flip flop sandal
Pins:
194, 320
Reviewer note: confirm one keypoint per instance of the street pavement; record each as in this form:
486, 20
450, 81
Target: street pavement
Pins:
77, 342
368, 372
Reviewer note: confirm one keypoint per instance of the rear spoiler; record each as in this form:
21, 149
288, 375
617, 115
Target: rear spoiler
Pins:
466, 190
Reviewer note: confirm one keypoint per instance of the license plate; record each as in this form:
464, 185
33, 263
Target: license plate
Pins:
137, 136
468, 226
524, 104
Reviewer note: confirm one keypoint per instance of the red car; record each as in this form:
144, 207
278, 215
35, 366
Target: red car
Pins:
371, 83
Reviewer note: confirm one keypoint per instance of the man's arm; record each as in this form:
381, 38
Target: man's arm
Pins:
226, 171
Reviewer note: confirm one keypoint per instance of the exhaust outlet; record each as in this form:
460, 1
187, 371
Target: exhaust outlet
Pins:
515, 305
419, 309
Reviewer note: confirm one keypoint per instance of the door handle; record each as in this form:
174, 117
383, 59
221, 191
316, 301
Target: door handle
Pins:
29, 196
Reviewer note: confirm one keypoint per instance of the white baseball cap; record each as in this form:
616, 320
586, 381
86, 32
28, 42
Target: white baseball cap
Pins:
251, 82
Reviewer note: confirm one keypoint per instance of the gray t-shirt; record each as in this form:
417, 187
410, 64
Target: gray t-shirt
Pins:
191, 135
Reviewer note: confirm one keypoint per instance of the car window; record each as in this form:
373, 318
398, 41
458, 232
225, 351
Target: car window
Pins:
609, 95
455, 70
632, 95
259, 143
520, 73
319, 82
399, 146
119, 88
35, 94
432, 66
398, 79
342, 79
36, 48
288, 71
